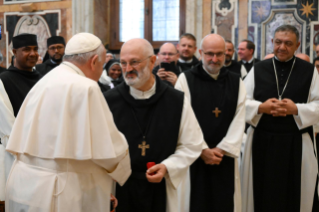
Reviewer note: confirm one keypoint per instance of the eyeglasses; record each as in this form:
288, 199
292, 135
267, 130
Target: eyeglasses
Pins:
133, 63
211, 54
169, 54
53, 48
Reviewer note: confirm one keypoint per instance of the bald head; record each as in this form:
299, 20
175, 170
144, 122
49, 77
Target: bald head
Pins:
138, 45
168, 53
212, 39
213, 52
303, 57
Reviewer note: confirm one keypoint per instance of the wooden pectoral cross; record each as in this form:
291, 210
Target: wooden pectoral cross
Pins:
217, 112
143, 146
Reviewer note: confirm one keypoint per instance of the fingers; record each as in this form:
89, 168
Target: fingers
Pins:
156, 178
153, 169
218, 154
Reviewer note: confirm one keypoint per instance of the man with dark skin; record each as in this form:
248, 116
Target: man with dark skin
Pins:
15, 84
56, 46
280, 168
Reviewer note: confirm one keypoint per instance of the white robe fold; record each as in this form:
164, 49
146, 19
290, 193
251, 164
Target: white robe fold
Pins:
308, 115
231, 144
6, 121
65, 138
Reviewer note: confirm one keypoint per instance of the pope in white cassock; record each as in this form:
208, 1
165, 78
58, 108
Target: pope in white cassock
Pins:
280, 170
67, 147
218, 100
159, 125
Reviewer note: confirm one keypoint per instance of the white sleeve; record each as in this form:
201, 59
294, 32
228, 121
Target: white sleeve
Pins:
6, 114
252, 116
308, 113
189, 146
231, 143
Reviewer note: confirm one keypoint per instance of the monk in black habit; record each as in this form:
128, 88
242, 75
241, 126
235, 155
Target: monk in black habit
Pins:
280, 168
230, 64
218, 100
19, 79
56, 47
159, 126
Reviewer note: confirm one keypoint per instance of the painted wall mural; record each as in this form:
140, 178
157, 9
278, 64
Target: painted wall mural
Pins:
266, 15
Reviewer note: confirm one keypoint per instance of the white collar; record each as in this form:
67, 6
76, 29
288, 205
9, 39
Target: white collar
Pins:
74, 67
214, 76
251, 60
286, 60
137, 94
185, 61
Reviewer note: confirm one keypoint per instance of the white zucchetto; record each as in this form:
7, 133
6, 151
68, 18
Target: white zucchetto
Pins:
82, 43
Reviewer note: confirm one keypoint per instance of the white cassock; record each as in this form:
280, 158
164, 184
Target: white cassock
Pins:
67, 145
231, 144
6, 121
308, 114
188, 149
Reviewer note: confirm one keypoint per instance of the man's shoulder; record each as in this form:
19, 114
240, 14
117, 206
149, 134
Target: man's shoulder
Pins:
155, 69
112, 94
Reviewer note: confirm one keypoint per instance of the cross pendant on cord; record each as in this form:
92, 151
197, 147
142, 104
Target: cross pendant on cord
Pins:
216, 111
143, 146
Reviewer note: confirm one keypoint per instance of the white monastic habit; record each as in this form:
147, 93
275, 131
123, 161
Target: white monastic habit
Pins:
7, 119
308, 114
231, 144
189, 146
68, 148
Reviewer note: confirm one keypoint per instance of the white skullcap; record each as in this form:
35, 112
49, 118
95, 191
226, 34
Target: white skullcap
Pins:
82, 43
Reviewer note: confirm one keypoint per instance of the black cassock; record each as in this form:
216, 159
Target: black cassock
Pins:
187, 66
158, 119
17, 84
45, 67
213, 187
277, 141
235, 67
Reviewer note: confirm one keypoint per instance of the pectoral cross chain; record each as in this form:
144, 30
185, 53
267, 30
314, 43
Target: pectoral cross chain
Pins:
217, 112
143, 146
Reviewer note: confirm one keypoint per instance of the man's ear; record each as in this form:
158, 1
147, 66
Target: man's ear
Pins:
14, 51
94, 61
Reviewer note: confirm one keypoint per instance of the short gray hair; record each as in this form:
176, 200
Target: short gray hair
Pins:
84, 57
288, 28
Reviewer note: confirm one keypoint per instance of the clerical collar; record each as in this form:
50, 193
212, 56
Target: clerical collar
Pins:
185, 61
137, 94
285, 61
74, 67
214, 76
53, 61
251, 60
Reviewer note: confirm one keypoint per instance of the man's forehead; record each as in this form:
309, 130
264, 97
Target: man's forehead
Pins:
56, 44
168, 48
285, 35
229, 45
187, 41
243, 44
